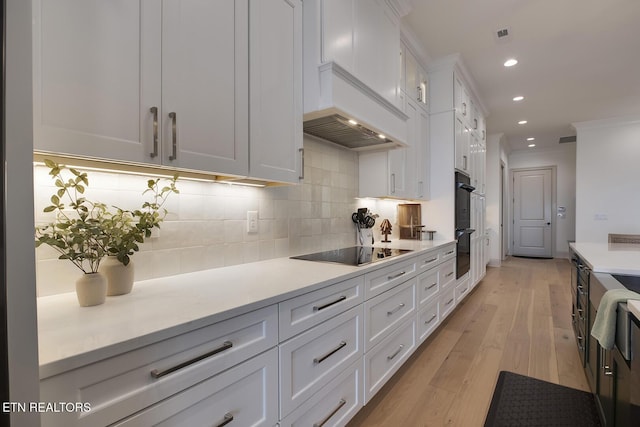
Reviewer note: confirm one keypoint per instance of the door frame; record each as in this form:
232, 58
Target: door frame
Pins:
504, 215
554, 203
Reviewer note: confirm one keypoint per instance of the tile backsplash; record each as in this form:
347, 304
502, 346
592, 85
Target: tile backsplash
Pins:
206, 225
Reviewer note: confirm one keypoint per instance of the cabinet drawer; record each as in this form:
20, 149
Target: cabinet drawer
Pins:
428, 286
334, 405
448, 252
386, 278
312, 359
124, 384
308, 310
385, 358
428, 320
243, 396
428, 260
462, 290
447, 273
447, 302
385, 312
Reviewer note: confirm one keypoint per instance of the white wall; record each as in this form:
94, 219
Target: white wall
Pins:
496, 154
564, 158
608, 178
19, 257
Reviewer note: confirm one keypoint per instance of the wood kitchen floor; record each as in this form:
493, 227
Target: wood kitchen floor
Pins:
518, 318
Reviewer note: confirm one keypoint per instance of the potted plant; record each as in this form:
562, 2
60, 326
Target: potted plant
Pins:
127, 229
77, 233
84, 232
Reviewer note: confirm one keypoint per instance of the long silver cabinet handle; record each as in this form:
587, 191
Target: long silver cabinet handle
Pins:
396, 352
402, 273
430, 287
448, 274
225, 346
322, 422
430, 260
329, 354
301, 151
329, 304
433, 316
174, 136
226, 420
154, 112
389, 313
449, 302
449, 253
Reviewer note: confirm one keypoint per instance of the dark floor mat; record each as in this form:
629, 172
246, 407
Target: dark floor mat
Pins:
519, 400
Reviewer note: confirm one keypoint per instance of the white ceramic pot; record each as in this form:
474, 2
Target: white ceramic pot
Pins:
119, 277
91, 289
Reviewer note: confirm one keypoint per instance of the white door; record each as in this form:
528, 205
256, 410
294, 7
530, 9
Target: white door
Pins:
205, 54
96, 77
532, 213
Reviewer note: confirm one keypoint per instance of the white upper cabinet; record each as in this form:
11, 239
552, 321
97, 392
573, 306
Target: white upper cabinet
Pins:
414, 78
204, 113
275, 79
97, 74
166, 82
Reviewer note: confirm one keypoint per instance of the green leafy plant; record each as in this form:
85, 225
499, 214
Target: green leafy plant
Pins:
78, 232
84, 231
127, 229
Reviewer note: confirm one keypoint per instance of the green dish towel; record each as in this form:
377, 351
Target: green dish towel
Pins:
604, 327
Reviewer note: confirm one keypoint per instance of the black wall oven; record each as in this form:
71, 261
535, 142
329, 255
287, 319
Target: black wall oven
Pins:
463, 223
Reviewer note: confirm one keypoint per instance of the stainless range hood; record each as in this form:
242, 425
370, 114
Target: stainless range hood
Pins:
341, 109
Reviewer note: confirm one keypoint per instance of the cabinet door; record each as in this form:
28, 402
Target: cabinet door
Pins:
461, 146
96, 77
402, 161
275, 79
205, 81
411, 75
423, 151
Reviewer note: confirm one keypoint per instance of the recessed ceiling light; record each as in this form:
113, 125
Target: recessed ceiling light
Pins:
522, 122
510, 62
532, 145
381, 136
518, 98
353, 122
531, 139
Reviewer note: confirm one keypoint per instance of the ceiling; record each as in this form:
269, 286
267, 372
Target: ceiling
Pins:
578, 60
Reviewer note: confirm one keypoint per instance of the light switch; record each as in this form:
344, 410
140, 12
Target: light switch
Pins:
252, 221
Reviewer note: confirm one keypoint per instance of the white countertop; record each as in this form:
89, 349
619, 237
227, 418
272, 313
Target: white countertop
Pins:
70, 336
614, 258
634, 308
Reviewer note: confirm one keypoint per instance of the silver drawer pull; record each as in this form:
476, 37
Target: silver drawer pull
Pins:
322, 358
426, 322
174, 136
449, 302
449, 253
225, 346
226, 420
325, 419
396, 352
389, 313
402, 273
463, 291
431, 287
329, 304
448, 274
430, 260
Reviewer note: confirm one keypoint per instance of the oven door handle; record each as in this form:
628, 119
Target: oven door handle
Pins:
466, 187
462, 231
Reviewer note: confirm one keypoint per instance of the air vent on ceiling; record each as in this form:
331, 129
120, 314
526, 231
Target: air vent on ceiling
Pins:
503, 34
565, 139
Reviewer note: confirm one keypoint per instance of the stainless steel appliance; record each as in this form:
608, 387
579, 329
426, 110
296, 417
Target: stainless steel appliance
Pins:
355, 255
4, 363
463, 231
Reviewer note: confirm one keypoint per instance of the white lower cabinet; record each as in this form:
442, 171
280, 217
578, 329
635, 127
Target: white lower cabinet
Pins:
447, 301
334, 405
462, 289
242, 395
428, 320
386, 358
312, 359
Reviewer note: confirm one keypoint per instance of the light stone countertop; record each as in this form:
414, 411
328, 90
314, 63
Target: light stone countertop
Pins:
615, 258
70, 336
634, 307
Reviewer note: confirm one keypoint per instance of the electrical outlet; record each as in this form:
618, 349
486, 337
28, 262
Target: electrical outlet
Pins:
252, 221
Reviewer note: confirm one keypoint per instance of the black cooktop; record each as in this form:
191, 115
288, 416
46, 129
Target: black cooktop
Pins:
355, 255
